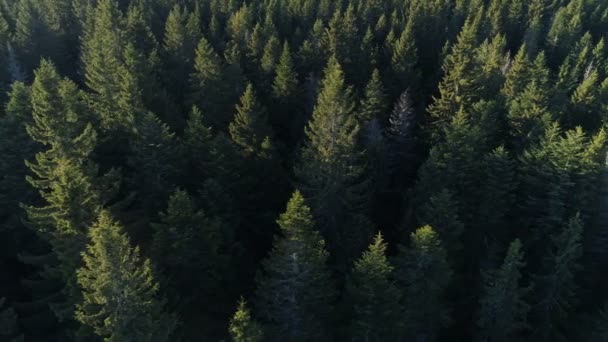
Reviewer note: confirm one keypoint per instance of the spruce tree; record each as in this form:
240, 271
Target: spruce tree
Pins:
458, 86
186, 248
102, 51
423, 272
295, 293
374, 104
373, 296
243, 328
330, 169
285, 84
249, 129
68, 182
503, 312
206, 84
120, 294
556, 285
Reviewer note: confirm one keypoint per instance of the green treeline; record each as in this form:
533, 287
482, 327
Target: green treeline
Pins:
303, 170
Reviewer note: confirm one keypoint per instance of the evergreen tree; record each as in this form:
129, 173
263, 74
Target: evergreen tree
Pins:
121, 301
68, 181
249, 128
403, 61
458, 87
206, 84
423, 272
373, 296
374, 104
330, 169
295, 291
102, 52
400, 134
242, 326
556, 285
503, 313
186, 247
285, 84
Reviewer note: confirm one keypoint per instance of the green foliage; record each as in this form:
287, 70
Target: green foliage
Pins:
249, 128
120, 294
503, 312
295, 291
242, 326
556, 285
373, 296
330, 169
422, 271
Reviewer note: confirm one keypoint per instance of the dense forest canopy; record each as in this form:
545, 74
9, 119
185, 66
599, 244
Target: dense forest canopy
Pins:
303, 170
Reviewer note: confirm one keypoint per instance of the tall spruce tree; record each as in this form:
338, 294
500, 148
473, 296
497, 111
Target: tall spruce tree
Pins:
295, 292
120, 294
68, 181
373, 296
243, 328
556, 284
503, 312
330, 169
422, 271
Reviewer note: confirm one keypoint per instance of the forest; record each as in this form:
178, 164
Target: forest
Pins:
303, 170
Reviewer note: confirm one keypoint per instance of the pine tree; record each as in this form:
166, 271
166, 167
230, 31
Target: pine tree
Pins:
249, 128
295, 291
330, 169
373, 296
556, 285
102, 52
68, 181
186, 247
243, 328
442, 213
286, 115
458, 87
285, 84
206, 84
400, 131
153, 155
423, 272
121, 301
374, 104
503, 313
403, 61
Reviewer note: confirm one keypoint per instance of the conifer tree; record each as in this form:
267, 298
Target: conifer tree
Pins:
556, 285
422, 271
206, 83
442, 212
243, 328
400, 133
285, 84
374, 104
295, 293
373, 296
286, 117
154, 157
102, 50
121, 300
458, 87
330, 170
403, 61
503, 313
68, 181
249, 129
